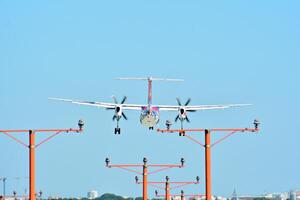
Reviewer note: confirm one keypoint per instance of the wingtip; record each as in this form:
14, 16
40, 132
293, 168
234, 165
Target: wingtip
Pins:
58, 99
245, 104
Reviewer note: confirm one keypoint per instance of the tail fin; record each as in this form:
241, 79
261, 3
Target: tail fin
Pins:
150, 79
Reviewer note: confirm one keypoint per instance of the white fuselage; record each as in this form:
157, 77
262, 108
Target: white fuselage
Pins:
149, 116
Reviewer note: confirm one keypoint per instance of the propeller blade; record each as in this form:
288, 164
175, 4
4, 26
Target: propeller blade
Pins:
187, 102
123, 100
115, 99
110, 108
178, 101
114, 118
125, 117
191, 110
187, 119
177, 117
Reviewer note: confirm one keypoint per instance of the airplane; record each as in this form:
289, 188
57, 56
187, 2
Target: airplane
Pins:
149, 116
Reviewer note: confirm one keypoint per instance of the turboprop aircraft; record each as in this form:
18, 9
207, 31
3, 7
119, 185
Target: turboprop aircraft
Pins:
149, 115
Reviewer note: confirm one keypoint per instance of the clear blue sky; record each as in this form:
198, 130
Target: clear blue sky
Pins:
227, 52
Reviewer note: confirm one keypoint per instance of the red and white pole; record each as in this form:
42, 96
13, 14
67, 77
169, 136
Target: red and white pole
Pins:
167, 188
207, 165
31, 165
145, 180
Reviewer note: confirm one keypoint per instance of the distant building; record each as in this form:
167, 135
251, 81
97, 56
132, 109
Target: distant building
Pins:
247, 197
279, 196
298, 195
195, 198
221, 198
293, 195
17, 197
53, 197
234, 195
93, 194
202, 198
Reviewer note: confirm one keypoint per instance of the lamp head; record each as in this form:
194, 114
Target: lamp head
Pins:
167, 178
136, 179
145, 160
80, 124
168, 124
182, 162
107, 161
256, 123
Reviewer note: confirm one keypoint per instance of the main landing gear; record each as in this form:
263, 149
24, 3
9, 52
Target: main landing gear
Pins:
117, 130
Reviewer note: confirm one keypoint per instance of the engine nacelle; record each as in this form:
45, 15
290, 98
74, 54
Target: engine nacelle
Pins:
118, 111
182, 113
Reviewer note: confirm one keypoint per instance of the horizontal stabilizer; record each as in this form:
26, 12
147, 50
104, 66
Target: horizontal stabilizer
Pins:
150, 78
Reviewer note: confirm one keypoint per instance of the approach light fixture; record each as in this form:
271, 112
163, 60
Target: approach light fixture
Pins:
168, 124
145, 161
80, 124
167, 178
182, 162
256, 123
107, 162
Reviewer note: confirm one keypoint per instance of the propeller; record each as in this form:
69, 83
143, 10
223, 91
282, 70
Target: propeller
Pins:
123, 100
125, 117
187, 119
182, 109
118, 107
178, 101
177, 117
116, 101
187, 102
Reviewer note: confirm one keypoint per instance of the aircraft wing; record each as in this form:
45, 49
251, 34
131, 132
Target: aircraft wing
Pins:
101, 104
200, 107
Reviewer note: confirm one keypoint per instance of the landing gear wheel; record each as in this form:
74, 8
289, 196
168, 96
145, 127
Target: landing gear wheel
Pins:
181, 133
117, 131
150, 128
